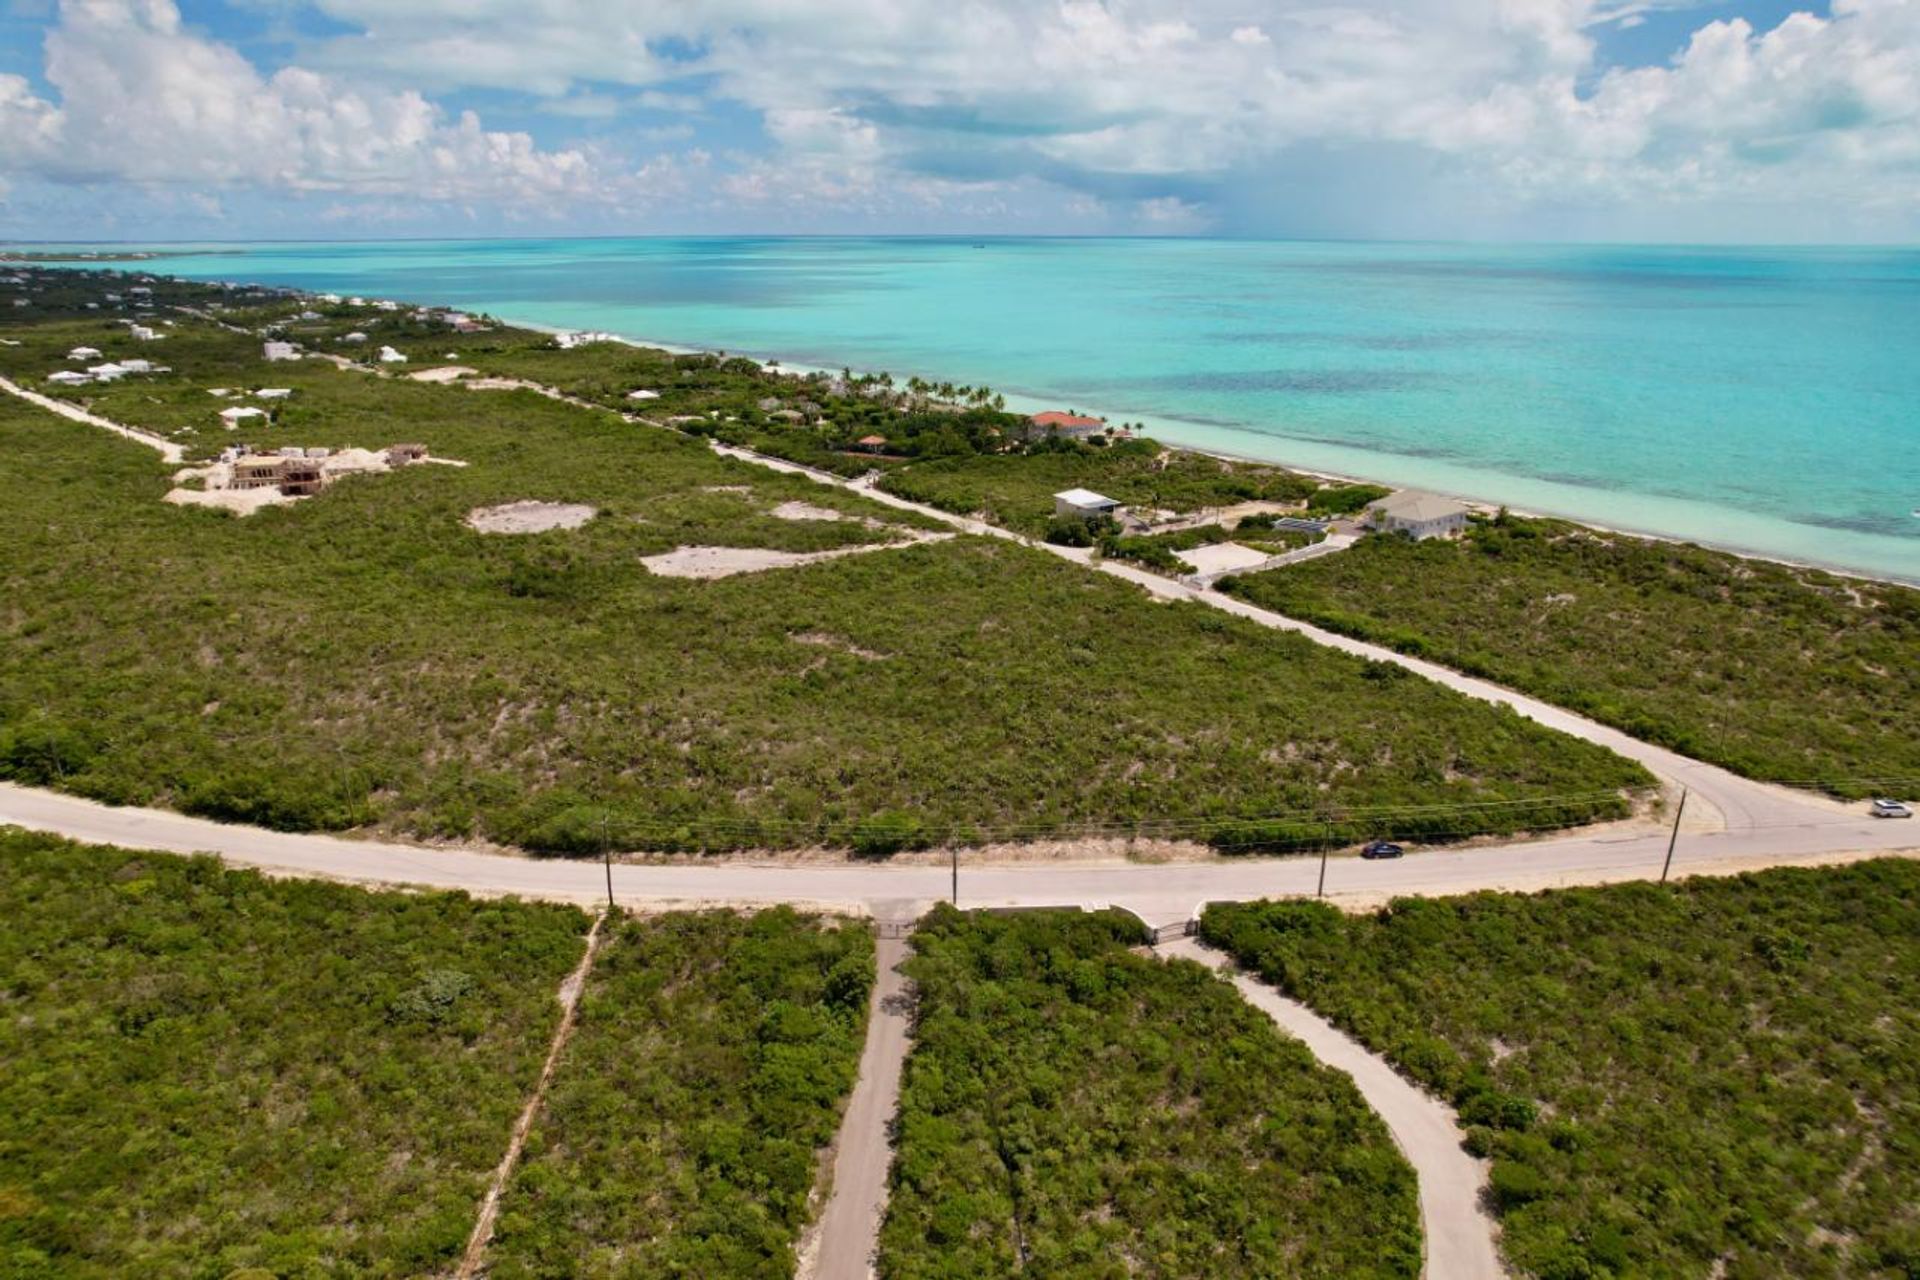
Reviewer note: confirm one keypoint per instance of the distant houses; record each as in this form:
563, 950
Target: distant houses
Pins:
84, 353
1069, 426
1418, 515
280, 351
389, 356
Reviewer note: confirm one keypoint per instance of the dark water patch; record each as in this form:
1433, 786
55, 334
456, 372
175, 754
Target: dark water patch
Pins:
1893, 526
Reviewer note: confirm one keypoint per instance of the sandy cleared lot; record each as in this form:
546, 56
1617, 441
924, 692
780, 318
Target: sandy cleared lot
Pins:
724, 562
530, 517
1223, 557
445, 373
242, 502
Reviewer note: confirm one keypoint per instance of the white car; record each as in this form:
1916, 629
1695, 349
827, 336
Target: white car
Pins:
1891, 809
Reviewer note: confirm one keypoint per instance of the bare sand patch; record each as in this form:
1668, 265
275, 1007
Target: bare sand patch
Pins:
805, 511
724, 562
827, 640
1222, 557
242, 502
530, 517
726, 488
445, 373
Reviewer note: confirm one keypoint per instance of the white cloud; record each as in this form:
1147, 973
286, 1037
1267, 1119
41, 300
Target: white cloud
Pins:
1137, 107
142, 100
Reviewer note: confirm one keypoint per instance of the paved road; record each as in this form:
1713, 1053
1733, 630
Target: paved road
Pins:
849, 1229
1160, 894
1460, 1237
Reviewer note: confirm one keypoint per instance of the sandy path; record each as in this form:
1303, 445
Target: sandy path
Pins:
1460, 1237
569, 997
167, 449
843, 1243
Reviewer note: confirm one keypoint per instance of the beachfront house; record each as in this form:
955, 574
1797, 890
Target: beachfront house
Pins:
1071, 426
389, 356
1418, 515
279, 351
107, 372
1084, 504
84, 353
69, 378
240, 413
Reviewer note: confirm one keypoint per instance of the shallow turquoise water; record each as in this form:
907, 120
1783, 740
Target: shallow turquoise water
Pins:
1767, 400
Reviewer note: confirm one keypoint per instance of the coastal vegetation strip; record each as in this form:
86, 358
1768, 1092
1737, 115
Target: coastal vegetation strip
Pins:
1780, 673
364, 659
207, 1071
1715, 1078
1074, 1108
707, 1071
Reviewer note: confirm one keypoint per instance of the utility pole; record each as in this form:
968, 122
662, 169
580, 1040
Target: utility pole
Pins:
1675, 837
606, 853
1326, 847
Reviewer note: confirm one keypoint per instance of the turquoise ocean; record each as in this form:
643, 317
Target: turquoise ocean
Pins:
1766, 400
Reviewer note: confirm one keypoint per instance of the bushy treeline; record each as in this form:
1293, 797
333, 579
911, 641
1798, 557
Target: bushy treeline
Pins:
205, 1072
364, 658
1777, 672
1074, 1109
1713, 1079
705, 1076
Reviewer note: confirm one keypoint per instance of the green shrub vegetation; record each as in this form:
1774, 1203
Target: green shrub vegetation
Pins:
1781, 673
1714, 1079
204, 1071
365, 659
1016, 489
704, 1077
1074, 1109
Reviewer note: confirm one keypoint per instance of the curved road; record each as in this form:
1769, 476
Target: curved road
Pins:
1159, 894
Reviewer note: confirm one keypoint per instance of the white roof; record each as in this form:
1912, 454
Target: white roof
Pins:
238, 411
1222, 557
83, 353
1084, 498
1415, 505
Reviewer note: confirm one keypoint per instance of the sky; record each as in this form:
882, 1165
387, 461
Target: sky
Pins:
1674, 120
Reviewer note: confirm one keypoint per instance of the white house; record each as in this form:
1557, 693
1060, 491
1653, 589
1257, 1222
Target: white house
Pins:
355, 336
643, 394
84, 353
279, 351
389, 356
1083, 504
240, 413
69, 378
107, 372
144, 334
136, 366
274, 393
1418, 515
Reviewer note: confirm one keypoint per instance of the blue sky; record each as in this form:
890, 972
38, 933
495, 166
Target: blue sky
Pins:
1551, 119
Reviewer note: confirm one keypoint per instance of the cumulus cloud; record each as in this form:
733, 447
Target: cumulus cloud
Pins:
140, 99
1154, 113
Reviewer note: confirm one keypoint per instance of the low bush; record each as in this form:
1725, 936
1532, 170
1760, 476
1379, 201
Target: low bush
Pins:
1070, 1105
1715, 1078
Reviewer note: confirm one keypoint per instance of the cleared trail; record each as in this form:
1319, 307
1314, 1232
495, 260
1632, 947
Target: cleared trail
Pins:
1460, 1236
848, 1233
569, 997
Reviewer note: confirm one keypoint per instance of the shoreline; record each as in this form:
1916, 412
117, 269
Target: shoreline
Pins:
1020, 401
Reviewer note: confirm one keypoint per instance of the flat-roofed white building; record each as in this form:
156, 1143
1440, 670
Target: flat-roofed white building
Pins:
279, 351
1084, 504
